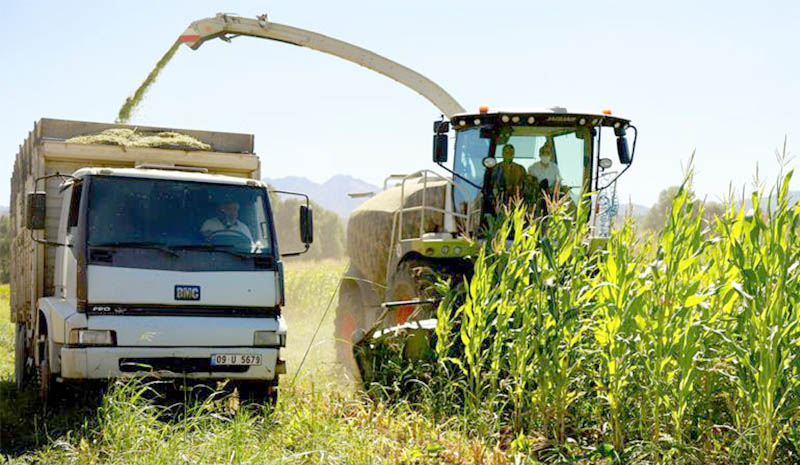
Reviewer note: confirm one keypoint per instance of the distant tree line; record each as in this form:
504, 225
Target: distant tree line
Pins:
5, 248
329, 238
657, 215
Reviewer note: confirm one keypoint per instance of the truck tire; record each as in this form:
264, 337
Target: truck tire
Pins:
258, 392
44, 376
350, 317
20, 357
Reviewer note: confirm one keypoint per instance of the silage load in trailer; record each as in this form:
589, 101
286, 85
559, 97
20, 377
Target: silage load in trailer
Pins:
133, 138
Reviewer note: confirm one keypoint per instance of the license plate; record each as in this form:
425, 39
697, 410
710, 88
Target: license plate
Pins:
235, 359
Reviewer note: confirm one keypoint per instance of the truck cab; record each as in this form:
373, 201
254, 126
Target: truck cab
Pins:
151, 269
168, 272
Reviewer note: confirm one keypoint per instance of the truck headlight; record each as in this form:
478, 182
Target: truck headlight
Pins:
269, 339
92, 337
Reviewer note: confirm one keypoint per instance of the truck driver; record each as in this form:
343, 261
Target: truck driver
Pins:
226, 222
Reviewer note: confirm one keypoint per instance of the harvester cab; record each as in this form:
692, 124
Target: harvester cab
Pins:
558, 151
428, 224
505, 157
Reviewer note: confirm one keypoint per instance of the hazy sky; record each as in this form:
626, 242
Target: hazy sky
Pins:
719, 77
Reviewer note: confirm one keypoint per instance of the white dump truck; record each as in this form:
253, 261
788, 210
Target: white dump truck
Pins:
140, 260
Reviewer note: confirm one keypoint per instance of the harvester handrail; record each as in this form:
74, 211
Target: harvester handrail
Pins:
397, 235
605, 206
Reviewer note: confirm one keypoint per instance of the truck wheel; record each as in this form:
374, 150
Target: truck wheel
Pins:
349, 318
45, 377
258, 392
412, 280
20, 357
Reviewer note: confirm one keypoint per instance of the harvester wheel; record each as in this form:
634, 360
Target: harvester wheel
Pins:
412, 280
349, 318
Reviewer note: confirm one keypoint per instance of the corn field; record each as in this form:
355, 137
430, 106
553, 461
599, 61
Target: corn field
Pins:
683, 347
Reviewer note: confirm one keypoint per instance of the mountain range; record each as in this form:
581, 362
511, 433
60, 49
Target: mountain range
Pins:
331, 194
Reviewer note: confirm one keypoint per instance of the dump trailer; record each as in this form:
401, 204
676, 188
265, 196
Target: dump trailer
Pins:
158, 260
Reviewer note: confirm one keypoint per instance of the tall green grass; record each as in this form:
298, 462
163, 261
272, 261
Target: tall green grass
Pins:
317, 419
683, 347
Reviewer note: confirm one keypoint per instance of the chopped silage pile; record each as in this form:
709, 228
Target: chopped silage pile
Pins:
134, 138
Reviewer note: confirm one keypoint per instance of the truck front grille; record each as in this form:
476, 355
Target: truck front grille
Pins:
177, 365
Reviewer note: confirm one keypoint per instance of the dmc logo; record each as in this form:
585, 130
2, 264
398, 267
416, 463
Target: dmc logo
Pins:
183, 292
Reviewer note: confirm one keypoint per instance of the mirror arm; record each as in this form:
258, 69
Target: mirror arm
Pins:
308, 202
294, 254
51, 243
635, 136
633, 152
459, 176
308, 205
54, 175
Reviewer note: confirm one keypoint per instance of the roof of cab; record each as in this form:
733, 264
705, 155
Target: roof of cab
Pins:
169, 174
549, 117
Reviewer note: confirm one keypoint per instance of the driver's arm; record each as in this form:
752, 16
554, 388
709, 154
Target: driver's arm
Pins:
241, 226
209, 227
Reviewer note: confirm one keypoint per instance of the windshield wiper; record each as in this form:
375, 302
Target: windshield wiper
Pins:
216, 248
138, 245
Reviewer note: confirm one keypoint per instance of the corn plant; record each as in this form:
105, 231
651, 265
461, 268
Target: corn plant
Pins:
618, 305
683, 347
765, 336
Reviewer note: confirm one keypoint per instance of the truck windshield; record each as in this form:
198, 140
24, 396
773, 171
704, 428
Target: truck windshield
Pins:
569, 164
178, 215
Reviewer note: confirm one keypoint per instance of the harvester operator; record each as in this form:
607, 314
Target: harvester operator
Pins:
545, 169
226, 222
509, 176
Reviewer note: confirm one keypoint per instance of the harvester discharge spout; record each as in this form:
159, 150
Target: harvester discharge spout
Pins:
202, 30
225, 26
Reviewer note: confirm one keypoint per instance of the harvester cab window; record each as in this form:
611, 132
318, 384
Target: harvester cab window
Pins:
470, 151
572, 174
571, 156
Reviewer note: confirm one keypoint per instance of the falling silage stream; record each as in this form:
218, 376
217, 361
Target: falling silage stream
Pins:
133, 101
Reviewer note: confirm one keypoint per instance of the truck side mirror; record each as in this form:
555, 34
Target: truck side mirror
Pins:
440, 148
306, 225
623, 151
35, 205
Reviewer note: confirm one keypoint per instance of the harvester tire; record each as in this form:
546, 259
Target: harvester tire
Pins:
412, 280
350, 317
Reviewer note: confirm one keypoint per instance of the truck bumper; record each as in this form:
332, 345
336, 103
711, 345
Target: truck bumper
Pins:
170, 362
